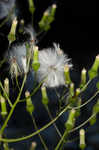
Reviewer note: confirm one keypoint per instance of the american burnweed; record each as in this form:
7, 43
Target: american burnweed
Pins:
53, 72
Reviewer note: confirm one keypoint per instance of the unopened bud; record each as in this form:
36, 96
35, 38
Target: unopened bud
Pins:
71, 89
33, 146
77, 91
94, 112
6, 86
93, 72
82, 139
71, 120
31, 6
35, 63
44, 95
83, 77
3, 106
53, 10
11, 36
21, 26
29, 105
67, 75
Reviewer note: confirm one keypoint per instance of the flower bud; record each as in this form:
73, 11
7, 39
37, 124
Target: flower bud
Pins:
33, 146
11, 36
82, 139
94, 112
53, 10
77, 91
43, 21
21, 26
93, 72
71, 89
35, 63
31, 6
3, 106
29, 105
83, 77
71, 120
6, 86
67, 75
48, 18
44, 95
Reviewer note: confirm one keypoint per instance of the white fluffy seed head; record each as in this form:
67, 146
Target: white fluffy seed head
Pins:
17, 55
52, 62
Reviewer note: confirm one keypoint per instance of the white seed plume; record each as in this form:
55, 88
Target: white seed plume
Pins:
18, 53
6, 7
52, 62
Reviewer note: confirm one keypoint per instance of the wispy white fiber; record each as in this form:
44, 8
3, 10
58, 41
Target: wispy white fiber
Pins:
5, 7
18, 53
52, 62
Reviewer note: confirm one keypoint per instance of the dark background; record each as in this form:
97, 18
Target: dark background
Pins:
76, 28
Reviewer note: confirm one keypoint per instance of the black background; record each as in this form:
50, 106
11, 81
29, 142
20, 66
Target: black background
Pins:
76, 28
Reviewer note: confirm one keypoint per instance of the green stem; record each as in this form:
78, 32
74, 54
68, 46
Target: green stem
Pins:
5, 94
86, 101
85, 122
17, 83
42, 141
65, 133
53, 123
13, 107
61, 140
35, 133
